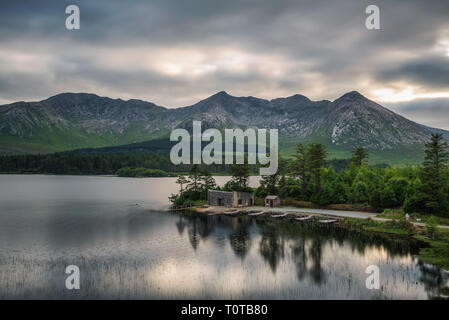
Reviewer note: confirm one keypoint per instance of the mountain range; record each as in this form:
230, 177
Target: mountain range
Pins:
79, 120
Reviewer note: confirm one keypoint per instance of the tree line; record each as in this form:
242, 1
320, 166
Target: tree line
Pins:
120, 163
94, 163
422, 189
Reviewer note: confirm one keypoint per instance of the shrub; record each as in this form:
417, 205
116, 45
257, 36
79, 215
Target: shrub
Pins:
432, 227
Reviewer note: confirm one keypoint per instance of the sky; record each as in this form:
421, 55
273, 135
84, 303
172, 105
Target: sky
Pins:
177, 52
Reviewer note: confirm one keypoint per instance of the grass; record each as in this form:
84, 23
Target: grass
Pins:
437, 250
437, 253
414, 217
392, 227
200, 203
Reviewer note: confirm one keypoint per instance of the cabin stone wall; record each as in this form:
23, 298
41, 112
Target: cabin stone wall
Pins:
243, 199
230, 199
220, 198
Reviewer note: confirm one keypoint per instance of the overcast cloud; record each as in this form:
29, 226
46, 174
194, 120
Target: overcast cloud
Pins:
174, 53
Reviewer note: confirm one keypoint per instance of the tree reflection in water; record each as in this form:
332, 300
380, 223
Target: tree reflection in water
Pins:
435, 282
315, 253
300, 257
272, 249
306, 243
239, 238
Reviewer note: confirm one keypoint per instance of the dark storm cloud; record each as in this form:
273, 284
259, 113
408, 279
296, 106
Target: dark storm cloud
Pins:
432, 71
172, 52
431, 112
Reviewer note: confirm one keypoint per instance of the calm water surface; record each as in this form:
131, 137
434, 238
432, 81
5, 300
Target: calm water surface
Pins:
126, 246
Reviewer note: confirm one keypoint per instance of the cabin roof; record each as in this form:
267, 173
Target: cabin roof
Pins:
271, 197
230, 192
219, 191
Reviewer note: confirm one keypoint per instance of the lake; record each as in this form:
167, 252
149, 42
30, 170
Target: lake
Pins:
127, 247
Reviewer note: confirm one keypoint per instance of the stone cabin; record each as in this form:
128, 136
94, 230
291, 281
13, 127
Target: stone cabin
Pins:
230, 198
272, 201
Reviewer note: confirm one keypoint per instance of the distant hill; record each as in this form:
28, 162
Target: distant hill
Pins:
79, 121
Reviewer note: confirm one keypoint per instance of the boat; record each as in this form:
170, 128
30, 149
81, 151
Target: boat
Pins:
257, 213
306, 218
279, 215
327, 221
231, 212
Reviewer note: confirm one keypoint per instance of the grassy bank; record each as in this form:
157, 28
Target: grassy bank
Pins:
436, 250
414, 217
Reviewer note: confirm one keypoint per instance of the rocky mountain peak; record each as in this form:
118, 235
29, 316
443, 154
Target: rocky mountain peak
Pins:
88, 120
352, 96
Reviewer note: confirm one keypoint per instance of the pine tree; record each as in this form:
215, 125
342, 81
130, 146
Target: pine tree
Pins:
299, 166
433, 177
316, 155
272, 183
195, 178
207, 180
359, 156
182, 180
240, 177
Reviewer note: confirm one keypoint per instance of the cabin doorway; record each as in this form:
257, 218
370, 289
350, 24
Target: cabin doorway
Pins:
220, 202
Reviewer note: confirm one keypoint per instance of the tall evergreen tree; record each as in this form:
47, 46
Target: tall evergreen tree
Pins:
195, 178
434, 189
316, 156
359, 156
299, 168
240, 177
207, 180
272, 183
181, 181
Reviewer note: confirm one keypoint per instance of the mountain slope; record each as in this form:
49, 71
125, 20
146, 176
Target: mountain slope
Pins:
78, 120
353, 119
69, 121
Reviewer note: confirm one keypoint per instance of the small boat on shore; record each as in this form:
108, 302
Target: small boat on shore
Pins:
279, 215
231, 212
306, 218
327, 221
253, 214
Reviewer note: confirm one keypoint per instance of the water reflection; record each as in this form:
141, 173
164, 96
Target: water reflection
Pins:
271, 248
304, 245
435, 282
300, 257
